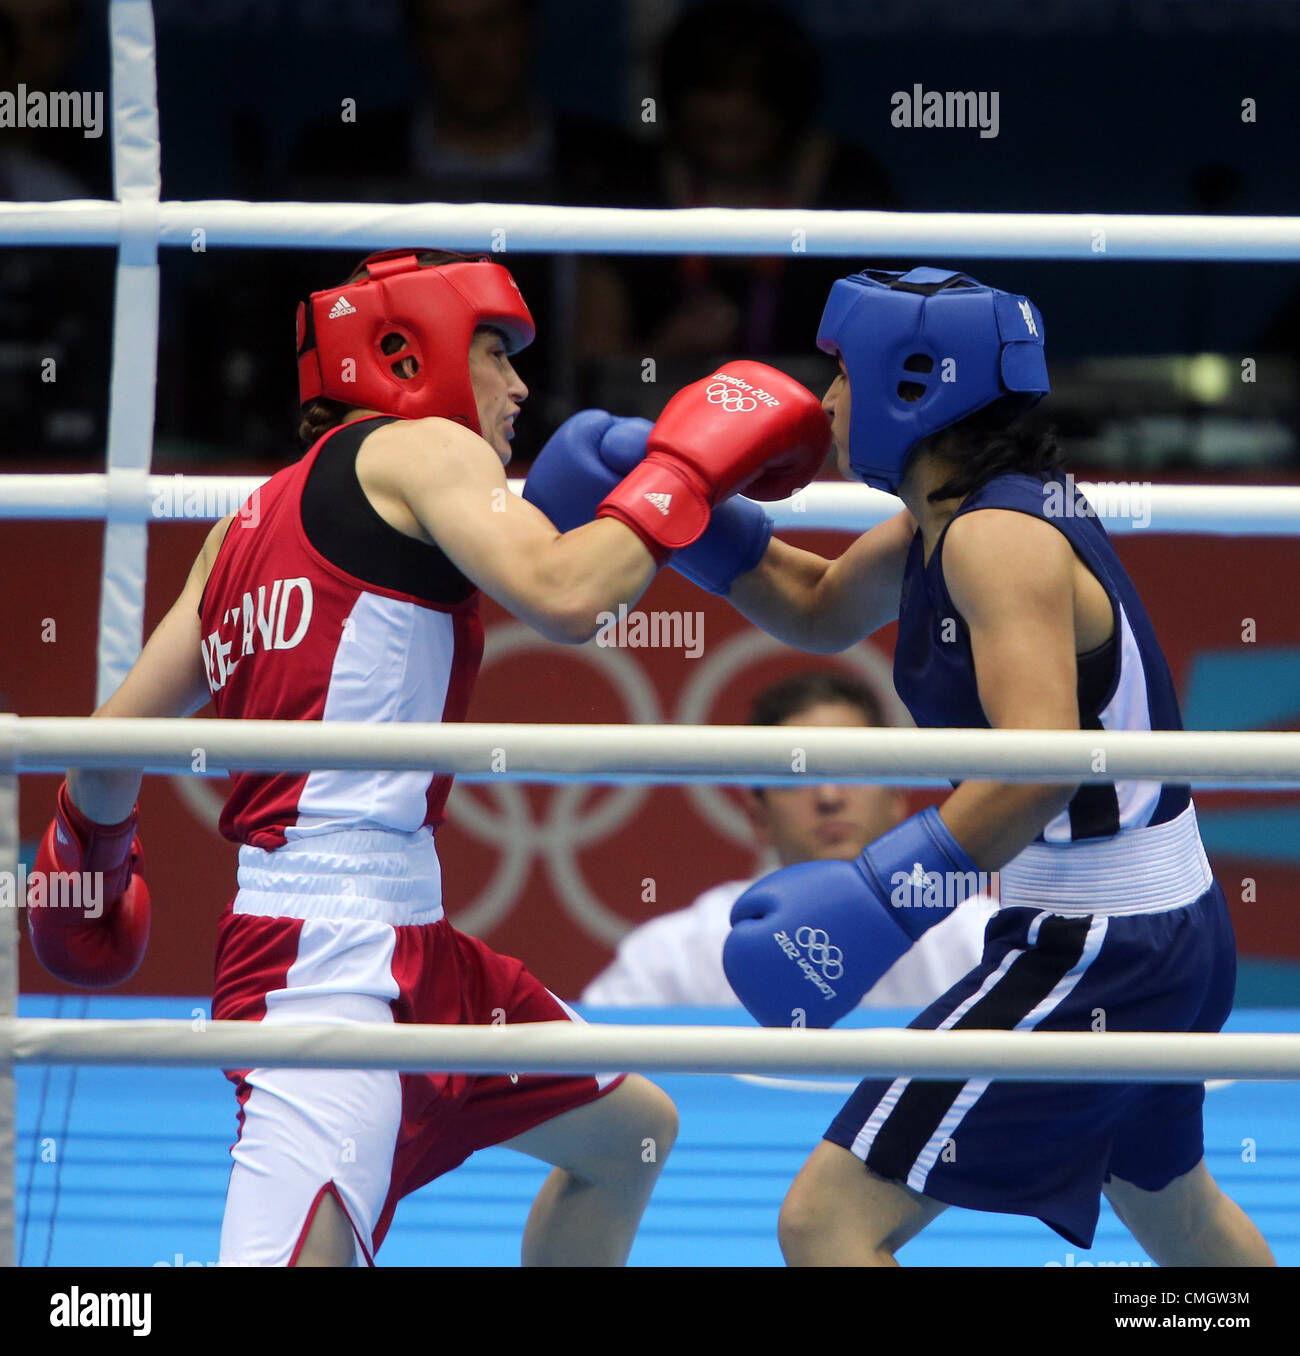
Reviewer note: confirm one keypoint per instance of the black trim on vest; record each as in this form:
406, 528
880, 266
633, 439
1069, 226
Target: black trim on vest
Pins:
1096, 675
344, 526
1094, 807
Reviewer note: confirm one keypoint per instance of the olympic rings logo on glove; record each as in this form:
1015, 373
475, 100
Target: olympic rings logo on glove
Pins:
817, 944
731, 400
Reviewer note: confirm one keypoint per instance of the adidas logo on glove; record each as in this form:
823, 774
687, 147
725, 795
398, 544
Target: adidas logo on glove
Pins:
661, 502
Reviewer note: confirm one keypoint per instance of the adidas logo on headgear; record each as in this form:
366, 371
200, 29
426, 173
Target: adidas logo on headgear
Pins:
661, 502
341, 307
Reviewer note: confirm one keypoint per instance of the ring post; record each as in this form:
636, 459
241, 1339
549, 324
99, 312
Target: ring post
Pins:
8, 980
137, 181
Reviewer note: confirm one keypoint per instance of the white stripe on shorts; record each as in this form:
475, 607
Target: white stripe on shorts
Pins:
867, 1135
306, 1127
973, 1090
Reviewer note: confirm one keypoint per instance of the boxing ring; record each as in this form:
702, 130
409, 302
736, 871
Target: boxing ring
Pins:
732, 1174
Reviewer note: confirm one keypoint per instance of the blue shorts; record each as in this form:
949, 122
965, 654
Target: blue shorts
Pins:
1045, 1149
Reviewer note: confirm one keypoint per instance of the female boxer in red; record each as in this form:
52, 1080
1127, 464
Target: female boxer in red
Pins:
352, 595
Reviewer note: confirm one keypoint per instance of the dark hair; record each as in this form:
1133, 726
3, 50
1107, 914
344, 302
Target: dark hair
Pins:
318, 416
802, 691
748, 44
993, 442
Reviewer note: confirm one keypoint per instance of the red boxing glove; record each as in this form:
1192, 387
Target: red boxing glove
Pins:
746, 428
92, 932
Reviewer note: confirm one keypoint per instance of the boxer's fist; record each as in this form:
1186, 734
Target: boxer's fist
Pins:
807, 942
587, 456
581, 462
746, 427
93, 930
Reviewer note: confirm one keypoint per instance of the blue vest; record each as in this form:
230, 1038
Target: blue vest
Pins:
1124, 685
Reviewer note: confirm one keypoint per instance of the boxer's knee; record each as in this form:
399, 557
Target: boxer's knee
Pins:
622, 1137
839, 1213
635, 1130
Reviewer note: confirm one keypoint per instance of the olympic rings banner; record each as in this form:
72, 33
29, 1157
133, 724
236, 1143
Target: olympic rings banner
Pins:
557, 874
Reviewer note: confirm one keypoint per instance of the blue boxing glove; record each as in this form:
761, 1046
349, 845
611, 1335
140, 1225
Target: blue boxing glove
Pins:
593, 451
808, 941
581, 462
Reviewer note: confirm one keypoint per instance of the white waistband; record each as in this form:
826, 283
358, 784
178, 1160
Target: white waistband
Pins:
1148, 870
375, 874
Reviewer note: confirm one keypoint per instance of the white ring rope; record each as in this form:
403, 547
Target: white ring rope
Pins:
666, 754
1123, 506
567, 1047
525, 228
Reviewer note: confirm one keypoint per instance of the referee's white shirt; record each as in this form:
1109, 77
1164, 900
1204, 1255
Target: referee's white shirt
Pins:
676, 959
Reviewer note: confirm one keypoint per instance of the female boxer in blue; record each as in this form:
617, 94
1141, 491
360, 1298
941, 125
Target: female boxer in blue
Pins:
1015, 613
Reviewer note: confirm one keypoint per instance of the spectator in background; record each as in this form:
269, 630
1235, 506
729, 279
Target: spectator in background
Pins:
677, 958
477, 130
53, 302
37, 42
741, 84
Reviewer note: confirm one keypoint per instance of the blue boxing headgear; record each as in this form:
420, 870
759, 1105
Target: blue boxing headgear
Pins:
922, 350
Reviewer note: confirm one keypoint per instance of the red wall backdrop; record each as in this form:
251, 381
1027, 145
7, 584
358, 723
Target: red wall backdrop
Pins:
554, 874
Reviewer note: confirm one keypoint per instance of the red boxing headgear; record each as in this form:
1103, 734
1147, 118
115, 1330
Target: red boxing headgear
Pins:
434, 308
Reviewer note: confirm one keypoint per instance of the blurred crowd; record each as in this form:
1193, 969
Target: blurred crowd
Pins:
734, 120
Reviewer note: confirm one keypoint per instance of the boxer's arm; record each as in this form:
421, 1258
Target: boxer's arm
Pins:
168, 679
1011, 578
827, 605
455, 487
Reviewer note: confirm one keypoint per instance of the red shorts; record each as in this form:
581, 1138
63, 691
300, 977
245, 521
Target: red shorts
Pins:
367, 1137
